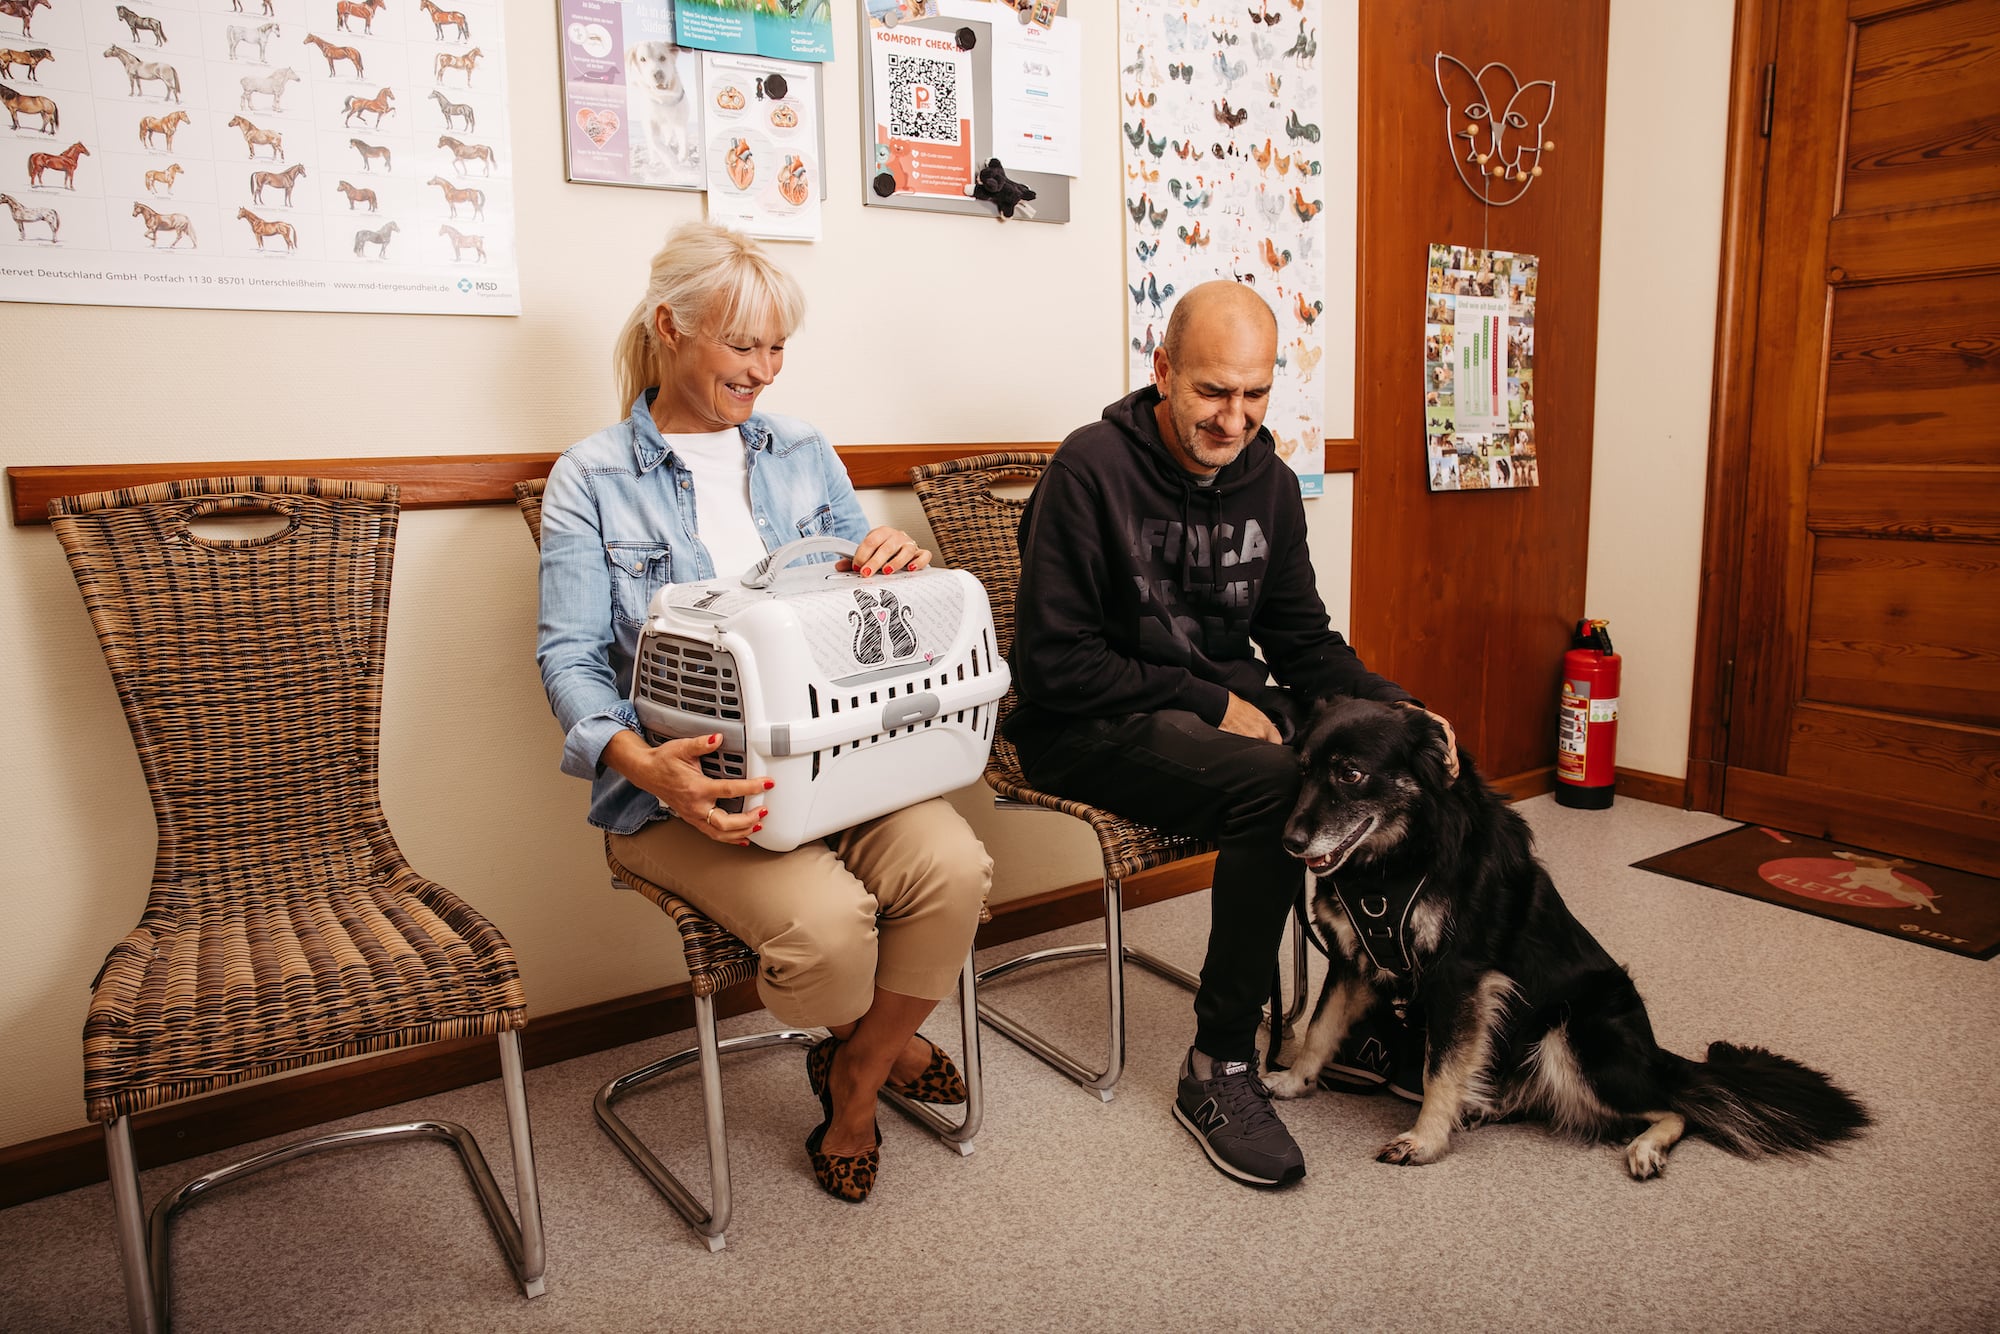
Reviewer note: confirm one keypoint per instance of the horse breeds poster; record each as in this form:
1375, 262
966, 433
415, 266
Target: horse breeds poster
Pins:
257, 155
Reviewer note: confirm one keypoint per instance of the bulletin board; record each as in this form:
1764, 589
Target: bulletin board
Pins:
1051, 203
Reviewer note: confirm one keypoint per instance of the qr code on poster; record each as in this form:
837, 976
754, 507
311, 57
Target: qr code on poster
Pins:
923, 99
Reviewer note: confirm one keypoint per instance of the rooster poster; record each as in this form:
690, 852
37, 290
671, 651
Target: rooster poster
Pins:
1223, 170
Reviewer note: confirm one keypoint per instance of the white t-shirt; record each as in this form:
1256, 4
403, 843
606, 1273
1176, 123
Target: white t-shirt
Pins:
721, 469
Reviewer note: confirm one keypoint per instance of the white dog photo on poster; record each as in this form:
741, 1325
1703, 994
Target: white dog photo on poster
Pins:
663, 111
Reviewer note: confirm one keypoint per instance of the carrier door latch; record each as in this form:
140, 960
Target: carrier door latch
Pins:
917, 708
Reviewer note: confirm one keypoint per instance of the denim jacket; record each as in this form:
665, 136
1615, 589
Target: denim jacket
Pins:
619, 522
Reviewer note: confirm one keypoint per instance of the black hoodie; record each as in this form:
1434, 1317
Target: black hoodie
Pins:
1143, 590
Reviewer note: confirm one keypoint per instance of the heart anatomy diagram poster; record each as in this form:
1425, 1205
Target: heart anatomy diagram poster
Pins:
342, 155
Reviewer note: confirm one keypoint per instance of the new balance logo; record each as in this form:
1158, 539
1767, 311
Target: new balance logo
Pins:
1210, 1118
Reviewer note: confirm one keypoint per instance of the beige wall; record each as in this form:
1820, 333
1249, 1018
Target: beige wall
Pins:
1665, 110
923, 328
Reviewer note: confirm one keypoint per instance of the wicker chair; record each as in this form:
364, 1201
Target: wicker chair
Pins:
283, 928
976, 531
717, 960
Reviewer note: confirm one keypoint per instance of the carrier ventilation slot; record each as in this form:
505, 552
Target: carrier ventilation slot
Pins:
812, 702
689, 675
684, 674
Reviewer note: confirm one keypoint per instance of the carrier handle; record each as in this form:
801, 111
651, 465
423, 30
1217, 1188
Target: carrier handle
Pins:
765, 572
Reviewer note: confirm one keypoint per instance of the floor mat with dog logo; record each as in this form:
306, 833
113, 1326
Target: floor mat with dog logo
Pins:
1932, 905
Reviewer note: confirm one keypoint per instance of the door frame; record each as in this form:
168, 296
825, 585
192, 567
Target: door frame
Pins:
1744, 176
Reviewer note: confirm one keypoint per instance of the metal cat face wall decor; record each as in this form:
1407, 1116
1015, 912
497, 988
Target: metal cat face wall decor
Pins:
1495, 125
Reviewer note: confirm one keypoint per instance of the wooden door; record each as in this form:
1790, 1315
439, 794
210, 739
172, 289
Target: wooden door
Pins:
1866, 691
1467, 598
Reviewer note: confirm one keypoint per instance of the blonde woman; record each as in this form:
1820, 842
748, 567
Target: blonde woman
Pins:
864, 932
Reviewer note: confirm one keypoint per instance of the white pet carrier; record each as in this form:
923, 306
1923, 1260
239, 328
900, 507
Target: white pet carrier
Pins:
856, 696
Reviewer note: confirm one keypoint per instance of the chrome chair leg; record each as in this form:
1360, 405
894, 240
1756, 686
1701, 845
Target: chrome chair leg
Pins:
143, 1241
1297, 1006
529, 1255
710, 1221
1101, 1082
1113, 951
956, 1134
141, 1310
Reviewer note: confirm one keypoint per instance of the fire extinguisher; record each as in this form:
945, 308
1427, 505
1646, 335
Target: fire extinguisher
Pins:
1587, 723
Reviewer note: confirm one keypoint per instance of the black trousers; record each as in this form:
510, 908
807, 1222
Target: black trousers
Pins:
1173, 771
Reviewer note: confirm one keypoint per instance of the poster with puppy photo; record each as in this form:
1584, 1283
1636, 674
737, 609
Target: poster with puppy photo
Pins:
631, 96
1479, 369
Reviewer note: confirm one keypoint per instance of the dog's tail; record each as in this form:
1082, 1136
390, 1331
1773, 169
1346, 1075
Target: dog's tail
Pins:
1752, 1101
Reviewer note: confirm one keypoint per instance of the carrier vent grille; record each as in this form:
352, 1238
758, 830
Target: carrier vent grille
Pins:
686, 674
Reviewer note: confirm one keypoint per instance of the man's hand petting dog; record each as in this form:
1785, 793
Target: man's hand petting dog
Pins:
1429, 891
1245, 719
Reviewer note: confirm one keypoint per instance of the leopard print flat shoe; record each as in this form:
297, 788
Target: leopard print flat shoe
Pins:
939, 1083
844, 1176
819, 1071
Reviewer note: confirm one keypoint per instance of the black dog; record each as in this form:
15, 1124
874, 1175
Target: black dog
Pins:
1446, 911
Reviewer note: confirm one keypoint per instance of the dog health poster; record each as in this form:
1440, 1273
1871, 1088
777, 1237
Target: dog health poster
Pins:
631, 96
1479, 369
344, 155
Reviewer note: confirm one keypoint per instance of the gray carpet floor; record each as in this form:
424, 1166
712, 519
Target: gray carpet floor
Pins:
1076, 1214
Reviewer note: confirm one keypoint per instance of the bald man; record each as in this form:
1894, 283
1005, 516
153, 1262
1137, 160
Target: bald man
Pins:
1164, 541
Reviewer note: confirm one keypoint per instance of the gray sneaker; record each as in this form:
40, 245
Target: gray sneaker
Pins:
1379, 1051
1230, 1116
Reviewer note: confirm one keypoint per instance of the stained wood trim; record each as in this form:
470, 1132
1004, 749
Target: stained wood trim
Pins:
73, 1158
1756, 44
1634, 783
1656, 788
1528, 783
436, 481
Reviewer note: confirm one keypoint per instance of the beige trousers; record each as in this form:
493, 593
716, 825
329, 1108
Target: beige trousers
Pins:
891, 903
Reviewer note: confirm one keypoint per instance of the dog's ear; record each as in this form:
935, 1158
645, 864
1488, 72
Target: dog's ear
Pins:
1431, 755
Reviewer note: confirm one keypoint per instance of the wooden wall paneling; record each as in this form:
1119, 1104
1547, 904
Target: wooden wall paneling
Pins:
434, 481
1467, 599
1748, 154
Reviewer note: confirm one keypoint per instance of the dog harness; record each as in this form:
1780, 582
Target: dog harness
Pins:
1379, 907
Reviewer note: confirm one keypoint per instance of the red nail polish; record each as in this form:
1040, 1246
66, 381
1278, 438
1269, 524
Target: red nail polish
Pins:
866, 571
768, 785
761, 815
717, 737
755, 827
